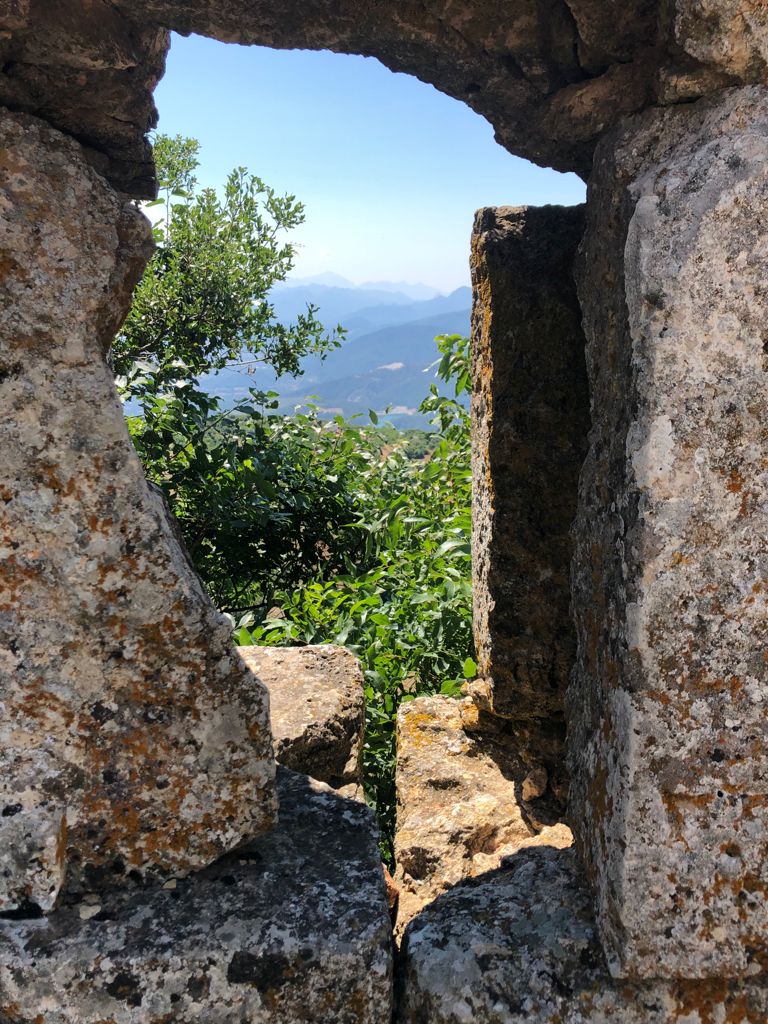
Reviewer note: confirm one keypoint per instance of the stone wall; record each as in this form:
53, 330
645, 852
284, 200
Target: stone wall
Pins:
134, 743
668, 725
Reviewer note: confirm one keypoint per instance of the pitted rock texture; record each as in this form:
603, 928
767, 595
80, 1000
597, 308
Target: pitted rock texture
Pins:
530, 419
317, 709
133, 739
549, 75
89, 70
728, 34
519, 946
668, 727
294, 927
460, 810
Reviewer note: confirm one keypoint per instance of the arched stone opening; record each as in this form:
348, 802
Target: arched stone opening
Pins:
667, 747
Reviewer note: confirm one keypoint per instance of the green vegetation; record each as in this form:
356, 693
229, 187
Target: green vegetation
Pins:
203, 300
402, 601
357, 533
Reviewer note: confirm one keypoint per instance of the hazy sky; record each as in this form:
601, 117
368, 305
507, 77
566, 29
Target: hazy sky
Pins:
389, 169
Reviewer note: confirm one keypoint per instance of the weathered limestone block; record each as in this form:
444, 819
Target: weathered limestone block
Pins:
293, 927
668, 727
133, 739
519, 946
731, 35
530, 418
460, 810
317, 709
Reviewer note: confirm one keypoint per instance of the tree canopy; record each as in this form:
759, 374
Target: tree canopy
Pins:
204, 298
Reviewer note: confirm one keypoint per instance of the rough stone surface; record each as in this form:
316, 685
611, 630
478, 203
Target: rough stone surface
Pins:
459, 805
317, 709
731, 35
90, 71
132, 737
668, 724
519, 946
294, 927
549, 75
530, 419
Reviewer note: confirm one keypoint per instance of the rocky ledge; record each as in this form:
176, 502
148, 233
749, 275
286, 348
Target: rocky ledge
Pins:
292, 927
519, 945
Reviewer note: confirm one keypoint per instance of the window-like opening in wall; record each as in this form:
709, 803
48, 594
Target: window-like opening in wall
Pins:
332, 505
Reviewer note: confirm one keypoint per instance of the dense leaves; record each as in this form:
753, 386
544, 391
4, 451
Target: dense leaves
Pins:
403, 601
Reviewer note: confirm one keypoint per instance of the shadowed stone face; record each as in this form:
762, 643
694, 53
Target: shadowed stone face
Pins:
530, 417
668, 725
133, 740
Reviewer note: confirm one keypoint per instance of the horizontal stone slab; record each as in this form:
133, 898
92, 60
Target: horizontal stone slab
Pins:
317, 708
293, 927
519, 946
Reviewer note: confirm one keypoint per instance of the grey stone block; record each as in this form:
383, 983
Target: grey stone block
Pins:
293, 927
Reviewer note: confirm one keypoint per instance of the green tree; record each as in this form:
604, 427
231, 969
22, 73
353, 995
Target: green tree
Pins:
204, 298
253, 515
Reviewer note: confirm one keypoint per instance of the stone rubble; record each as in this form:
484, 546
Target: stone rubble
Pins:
294, 927
317, 709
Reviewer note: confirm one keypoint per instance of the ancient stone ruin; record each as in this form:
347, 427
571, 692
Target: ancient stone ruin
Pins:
620, 418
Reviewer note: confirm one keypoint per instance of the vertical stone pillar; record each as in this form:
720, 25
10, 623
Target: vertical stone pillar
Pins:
133, 740
530, 418
668, 747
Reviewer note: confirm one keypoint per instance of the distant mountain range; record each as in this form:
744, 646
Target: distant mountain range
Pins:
415, 292
386, 355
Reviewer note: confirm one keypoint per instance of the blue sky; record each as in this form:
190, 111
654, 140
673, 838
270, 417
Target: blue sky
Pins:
389, 169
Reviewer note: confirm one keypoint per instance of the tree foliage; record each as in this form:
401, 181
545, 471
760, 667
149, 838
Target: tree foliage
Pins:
403, 600
359, 534
204, 298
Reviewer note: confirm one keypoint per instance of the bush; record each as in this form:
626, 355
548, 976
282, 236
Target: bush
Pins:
403, 601
358, 532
